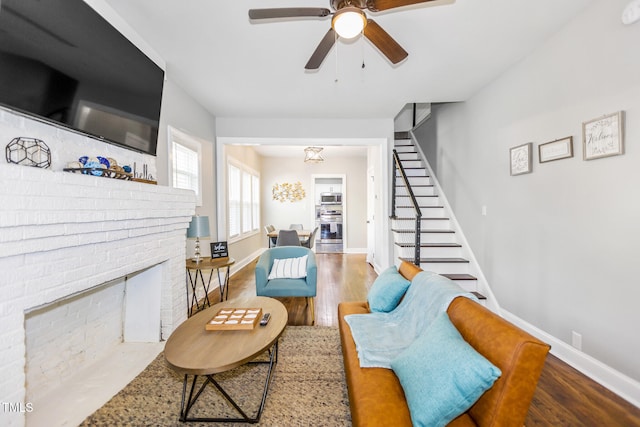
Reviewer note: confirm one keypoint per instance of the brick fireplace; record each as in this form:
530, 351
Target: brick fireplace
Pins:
64, 237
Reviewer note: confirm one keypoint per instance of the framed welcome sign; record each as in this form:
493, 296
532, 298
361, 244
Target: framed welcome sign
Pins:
219, 250
603, 137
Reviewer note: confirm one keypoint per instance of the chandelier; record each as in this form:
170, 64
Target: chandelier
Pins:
312, 155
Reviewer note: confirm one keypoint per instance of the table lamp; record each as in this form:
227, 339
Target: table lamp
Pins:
198, 227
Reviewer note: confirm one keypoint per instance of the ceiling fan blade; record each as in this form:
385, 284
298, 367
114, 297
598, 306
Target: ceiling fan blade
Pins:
322, 50
289, 12
384, 42
378, 5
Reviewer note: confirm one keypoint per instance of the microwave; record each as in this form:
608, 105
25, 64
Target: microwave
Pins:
330, 198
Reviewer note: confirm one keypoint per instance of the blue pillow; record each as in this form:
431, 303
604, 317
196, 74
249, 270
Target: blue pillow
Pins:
442, 375
387, 290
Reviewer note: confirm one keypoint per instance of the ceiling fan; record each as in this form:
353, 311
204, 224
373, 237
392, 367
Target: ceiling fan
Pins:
349, 20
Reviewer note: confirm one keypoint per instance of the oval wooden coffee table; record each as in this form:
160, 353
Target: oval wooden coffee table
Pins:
193, 350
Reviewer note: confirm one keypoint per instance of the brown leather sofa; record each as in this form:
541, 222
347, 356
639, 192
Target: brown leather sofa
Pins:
376, 397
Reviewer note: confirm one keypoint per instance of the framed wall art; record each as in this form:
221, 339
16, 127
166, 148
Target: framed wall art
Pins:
555, 150
520, 159
603, 137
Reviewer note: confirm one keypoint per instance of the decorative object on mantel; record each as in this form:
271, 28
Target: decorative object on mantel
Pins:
28, 152
144, 176
312, 155
198, 227
287, 192
555, 150
603, 137
520, 159
99, 166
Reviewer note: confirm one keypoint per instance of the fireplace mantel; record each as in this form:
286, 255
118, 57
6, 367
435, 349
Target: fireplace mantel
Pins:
63, 233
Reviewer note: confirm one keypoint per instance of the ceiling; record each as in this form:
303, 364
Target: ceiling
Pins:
238, 68
329, 152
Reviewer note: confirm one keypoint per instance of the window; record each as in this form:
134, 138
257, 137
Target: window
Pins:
184, 163
243, 200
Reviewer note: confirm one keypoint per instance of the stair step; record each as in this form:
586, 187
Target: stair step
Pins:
412, 164
435, 218
414, 172
433, 230
422, 200
460, 276
439, 260
421, 207
431, 245
414, 180
479, 295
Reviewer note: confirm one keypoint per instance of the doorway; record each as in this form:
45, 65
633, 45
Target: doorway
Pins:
330, 212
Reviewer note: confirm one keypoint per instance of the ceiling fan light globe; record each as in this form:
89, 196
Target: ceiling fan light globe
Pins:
348, 22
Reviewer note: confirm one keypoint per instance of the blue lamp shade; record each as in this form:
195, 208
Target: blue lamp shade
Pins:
198, 227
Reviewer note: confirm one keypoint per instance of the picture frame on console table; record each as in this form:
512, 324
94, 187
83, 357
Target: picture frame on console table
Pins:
603, 137
520, 159
219, 250
555, 150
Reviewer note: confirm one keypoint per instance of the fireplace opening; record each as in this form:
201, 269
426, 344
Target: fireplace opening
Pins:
72, 334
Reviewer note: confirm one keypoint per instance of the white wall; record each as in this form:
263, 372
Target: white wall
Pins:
286, 169
373, 132
558, 246
180, 111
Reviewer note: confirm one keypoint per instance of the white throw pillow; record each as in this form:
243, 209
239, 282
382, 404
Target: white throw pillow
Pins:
289, 268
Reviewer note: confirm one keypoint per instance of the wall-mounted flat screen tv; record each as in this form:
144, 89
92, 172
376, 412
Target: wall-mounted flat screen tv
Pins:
61, 62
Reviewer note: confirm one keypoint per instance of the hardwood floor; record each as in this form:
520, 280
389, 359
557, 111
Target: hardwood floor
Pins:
564, 397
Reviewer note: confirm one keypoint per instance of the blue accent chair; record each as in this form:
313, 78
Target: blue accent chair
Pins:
305, 287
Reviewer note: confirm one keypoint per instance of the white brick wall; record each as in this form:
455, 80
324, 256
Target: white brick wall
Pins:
65, 145
61, 234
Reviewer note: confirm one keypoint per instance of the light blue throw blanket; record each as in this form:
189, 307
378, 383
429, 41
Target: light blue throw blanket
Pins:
380, 337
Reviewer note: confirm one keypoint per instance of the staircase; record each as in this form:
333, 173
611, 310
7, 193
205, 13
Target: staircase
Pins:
440, 248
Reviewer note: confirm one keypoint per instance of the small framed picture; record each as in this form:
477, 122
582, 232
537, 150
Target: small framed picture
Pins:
603, 137
219, 250
520, 159
555, 150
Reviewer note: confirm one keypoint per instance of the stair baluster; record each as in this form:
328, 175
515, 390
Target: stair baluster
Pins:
398, 165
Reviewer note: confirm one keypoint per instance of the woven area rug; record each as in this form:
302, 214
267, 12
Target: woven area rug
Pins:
308, 388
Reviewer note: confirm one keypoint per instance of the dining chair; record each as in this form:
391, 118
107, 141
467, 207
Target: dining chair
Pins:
309, 242
288, 238
296, 227
272, 240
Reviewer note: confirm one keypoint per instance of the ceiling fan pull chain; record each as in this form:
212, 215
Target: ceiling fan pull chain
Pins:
362, 49
337, 68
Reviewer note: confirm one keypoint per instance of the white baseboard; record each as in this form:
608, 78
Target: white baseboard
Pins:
622, 385
355, 250
237, 266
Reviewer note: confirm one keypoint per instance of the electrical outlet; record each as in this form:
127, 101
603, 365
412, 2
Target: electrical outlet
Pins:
576, 340
484, 210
